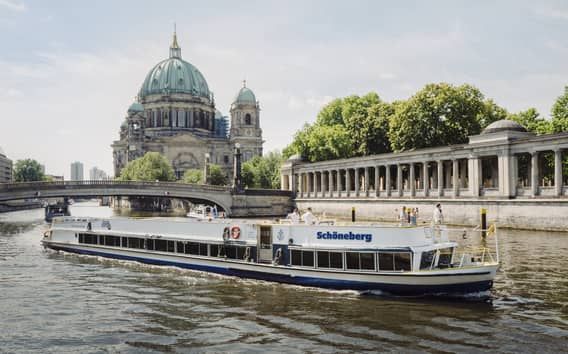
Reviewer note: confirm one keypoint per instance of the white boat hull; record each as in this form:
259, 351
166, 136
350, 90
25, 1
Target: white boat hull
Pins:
440, 281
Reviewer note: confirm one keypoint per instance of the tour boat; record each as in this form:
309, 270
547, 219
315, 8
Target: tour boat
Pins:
407, 260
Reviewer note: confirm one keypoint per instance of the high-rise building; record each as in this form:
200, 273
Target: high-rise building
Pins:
175, 114
96, 174
5, 168
76, 171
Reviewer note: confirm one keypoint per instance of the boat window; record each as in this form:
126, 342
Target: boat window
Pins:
171, 246
134, 242
110, 240
214, 250
352, 260
323, 259
180, 247
125, 242
192, 248
445, 258
231, 252
302, 258
296, 257
395, 261
161, 245
203, 249
88, 239
336, 260
367, 261
386, 261
360, 260
150, 244
402, 261
308, 258
427, 259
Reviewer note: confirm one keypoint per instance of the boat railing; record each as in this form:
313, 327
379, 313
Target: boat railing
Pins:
487, 252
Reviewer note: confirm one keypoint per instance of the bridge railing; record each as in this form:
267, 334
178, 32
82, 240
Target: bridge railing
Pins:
110, 183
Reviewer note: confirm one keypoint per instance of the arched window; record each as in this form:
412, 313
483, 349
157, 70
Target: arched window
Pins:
247, 119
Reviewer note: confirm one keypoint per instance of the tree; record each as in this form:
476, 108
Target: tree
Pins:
439, 114
331, 113
491, 113
560, 113
532, 120
28, 170
153, 166
216, 175
263, 171
366, 120
194, 176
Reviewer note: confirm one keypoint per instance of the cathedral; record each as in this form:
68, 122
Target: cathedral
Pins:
175, 115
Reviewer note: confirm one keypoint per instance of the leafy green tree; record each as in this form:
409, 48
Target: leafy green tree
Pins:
560, 113
366, 120
263, 171
532, 120
28, 170
193, 176
439, 114
153, 166
217, 176
331, 113
491, 113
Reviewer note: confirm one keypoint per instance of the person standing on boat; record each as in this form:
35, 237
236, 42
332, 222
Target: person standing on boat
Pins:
309, 218
294, 216
402, 216
438, 217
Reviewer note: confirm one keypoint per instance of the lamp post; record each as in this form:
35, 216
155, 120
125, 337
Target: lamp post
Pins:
206, 169
237, 178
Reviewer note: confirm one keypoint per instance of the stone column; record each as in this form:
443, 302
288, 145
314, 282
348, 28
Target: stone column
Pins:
425, 177
534, 174
330, 183
412, 181
388, 180
309, 181
357, 182
322, 183
558, 172
399, 179
367, 184
440, 178
315, 184
348, 182
293, 186
338, 181
505, 175
301, 184
455, 181
377, 187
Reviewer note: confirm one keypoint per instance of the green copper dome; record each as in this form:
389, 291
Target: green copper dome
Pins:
175, 75
245, 95
135, 108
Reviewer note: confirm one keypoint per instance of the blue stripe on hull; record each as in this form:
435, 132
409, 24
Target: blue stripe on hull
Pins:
395, 289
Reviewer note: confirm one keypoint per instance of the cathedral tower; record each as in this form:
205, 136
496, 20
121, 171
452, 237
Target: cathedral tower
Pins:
245, 124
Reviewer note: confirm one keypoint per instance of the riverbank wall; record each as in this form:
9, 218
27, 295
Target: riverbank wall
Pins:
529, 214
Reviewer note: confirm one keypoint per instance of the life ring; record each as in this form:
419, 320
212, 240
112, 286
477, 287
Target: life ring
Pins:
226, 233
235, 232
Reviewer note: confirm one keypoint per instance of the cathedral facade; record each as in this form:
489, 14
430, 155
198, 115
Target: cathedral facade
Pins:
175, 115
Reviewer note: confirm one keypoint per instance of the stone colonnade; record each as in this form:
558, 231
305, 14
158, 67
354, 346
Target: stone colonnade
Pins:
501, 173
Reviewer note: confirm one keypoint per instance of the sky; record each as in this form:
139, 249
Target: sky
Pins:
70, 69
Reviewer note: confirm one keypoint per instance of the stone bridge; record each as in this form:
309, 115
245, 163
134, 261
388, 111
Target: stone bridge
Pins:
250, 202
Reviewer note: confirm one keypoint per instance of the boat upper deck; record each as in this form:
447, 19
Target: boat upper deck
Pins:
328, 235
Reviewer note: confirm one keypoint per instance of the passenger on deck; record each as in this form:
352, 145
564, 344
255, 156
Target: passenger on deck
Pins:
294, 216
309, 218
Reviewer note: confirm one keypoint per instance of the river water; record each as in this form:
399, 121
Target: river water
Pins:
62, 303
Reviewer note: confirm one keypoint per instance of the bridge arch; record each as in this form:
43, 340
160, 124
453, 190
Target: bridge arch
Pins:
73, 189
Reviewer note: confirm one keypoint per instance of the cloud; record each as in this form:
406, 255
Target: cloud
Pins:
13, 5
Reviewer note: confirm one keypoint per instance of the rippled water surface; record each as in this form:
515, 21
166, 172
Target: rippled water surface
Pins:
57, 302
